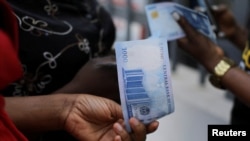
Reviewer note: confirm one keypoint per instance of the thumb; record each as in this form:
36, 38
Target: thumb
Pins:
116, 110
184, 24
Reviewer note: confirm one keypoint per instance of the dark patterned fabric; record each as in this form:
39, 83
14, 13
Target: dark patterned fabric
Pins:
57, 37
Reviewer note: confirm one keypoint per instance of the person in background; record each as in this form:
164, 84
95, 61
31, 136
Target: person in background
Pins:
84, 116
225, 73
57, 39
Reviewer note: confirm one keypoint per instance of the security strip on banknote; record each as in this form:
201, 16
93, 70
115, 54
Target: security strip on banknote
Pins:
162, 24
144, 79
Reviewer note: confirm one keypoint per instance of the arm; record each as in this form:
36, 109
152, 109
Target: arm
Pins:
238, 81
97, 77
38, 113
209, 55
84, 116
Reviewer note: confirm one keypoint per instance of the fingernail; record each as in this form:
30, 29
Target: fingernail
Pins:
118, 138
221, 34
176, 16
118, 127
215, 7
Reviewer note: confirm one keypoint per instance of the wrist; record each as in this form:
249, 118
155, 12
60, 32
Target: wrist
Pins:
67, 103
214, 59
222, 67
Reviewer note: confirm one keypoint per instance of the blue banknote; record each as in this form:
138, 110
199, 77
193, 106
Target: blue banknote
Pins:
162, 24
144, 79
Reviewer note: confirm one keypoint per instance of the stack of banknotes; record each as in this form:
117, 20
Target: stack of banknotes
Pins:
143, 65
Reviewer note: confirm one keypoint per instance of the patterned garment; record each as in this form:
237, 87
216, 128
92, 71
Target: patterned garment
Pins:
57, 37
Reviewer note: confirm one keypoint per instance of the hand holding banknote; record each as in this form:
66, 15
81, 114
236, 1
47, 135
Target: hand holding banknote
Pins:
229, 27
225, 74
198, 45
93, 118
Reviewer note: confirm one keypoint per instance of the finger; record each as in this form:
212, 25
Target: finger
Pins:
188, 29
115, 109
138, 128
152, 127
221, 34
122, 133
183, 42
218, 10
118, 138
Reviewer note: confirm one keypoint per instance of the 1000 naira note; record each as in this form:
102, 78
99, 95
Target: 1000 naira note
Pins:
144, 79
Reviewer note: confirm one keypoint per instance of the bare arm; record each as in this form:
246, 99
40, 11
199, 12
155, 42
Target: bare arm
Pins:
86, 117
38, 113
238, 82
97, 77
209, 55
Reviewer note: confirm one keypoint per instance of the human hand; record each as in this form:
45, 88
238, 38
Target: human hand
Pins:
97, 77
92, 118
198, 45
228, 26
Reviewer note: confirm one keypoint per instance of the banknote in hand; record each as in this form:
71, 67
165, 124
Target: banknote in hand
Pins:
162, 24
144, 79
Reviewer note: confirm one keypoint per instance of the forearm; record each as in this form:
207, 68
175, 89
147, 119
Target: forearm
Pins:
38, 113
238, 82
70, 88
